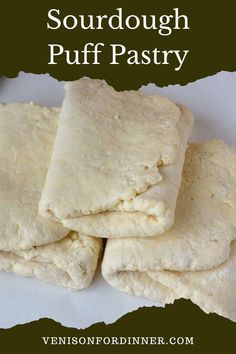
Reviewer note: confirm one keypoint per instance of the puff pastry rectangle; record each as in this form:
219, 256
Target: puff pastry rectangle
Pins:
196, 258
29, 244
70, 262
117, 161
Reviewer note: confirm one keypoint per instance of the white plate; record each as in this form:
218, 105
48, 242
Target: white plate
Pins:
213, 101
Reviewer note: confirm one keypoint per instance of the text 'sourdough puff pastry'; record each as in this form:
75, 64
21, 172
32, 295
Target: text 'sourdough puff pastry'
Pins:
196, 258
29, 244
117, 161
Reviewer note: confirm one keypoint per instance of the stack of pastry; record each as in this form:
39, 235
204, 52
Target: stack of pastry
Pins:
117, 166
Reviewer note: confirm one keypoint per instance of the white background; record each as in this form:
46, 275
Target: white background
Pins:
213, 102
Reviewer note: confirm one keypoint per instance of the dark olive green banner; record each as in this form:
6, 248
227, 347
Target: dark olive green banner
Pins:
128, 43
179, 328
